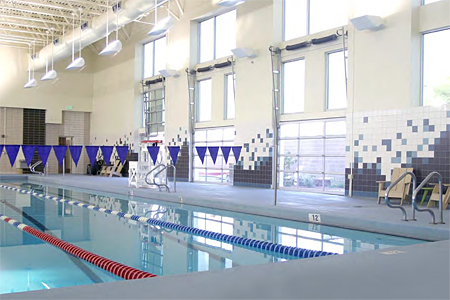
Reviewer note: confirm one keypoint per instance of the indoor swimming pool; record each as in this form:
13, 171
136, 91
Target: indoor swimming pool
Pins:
27, 263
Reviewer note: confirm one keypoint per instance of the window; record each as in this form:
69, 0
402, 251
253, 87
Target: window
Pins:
218, 36
293, 87
154, 57
218, 172
310, 240
336, 80
154, 111
214, 223
303, 17
204, 104
230, 107
436, 68
312, 155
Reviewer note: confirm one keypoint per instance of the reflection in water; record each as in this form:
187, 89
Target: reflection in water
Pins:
27, 263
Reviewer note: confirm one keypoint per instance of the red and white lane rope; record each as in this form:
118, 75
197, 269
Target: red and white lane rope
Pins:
113, 267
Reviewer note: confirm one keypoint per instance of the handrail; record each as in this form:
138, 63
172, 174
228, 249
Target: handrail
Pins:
154, 178
160, 185
33, 166
174, 177
386, 195
416, 191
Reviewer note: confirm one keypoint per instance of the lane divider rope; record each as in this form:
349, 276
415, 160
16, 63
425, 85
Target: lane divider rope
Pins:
126, 272
259, 245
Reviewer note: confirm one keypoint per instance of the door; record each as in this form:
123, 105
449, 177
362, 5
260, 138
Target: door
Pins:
66, 141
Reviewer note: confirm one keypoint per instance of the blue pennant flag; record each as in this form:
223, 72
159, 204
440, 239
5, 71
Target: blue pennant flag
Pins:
75, 151
44, 152
174, 150
226, 152
60, 152
1, 150
213, 151
236, 152
107, 151
153, 151
201, 151
12, 151
28, 152
122, 151
92, 153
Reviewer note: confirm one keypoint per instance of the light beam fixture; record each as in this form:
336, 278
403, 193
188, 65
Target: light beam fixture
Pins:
163, 25
229, 3
50, 75
115, 46
32, 82
79, 62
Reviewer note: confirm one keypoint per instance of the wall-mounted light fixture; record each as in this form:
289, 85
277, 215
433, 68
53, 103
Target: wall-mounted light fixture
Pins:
368, 22
244, 52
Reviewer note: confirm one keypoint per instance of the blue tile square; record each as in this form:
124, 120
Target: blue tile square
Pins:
430, 147
448, 114
404, 142
347, 148
437, 141
396, 160
425, 128
398, 154
419, 148
399, 135
366, 119
361, 137
425, 141
365, 148
426, 122
431, 128
409, 122
356, 143
374, 148
415, 129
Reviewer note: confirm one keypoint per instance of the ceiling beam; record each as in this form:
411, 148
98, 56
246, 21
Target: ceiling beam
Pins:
28, 25
22, 31
32, 19
21, 37
39, 12
69, 8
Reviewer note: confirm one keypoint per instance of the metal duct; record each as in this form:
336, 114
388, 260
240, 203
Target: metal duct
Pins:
130, 11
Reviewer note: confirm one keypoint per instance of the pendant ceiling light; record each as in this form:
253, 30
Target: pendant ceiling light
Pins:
229, 3
32, 82
49, 75
115, 46
79, 62
162, 26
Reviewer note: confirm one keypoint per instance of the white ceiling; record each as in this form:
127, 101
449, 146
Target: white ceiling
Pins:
22, 22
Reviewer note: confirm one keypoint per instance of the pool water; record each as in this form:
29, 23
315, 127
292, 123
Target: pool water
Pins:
28, 264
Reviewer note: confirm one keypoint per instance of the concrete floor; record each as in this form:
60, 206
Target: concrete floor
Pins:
382, 274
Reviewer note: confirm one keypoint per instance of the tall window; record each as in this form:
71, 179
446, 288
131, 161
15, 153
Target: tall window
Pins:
218, 36
303, 17
230, 107
436, 68
429, 1
336, 80
312, 155
214, 223
154, 57
204, 104
293, 87
219, 172
154, 111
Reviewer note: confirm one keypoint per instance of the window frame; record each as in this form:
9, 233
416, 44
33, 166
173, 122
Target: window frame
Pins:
282, 110
327, 79
226, 117
307, 18
153, 57
198, 102
422, 61
214, 56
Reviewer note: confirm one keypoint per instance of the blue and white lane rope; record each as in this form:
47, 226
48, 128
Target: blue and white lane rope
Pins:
259, 245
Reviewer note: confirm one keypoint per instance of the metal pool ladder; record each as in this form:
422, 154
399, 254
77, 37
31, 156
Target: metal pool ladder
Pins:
386, 195
416, 191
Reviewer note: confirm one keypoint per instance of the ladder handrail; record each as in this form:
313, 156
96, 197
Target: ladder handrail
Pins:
416, 191
154, 178
33, 166
386, 195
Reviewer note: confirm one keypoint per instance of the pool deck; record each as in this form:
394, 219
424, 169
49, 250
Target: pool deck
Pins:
413, 272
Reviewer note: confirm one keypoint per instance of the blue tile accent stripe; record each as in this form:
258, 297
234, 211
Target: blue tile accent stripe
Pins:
254, 244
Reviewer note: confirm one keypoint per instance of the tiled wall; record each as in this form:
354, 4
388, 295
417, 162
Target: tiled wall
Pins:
53, 132
14, 135
34, 132
255, 165
383, 140
183, 157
